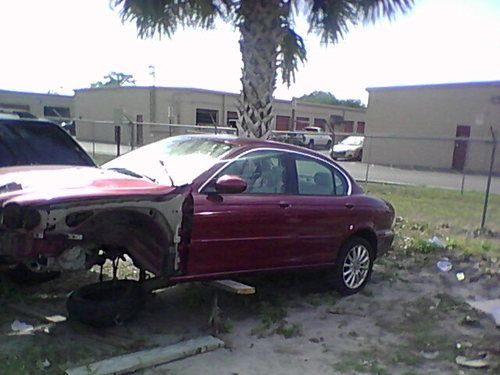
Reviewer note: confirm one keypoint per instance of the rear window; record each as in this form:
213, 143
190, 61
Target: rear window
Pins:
26, 143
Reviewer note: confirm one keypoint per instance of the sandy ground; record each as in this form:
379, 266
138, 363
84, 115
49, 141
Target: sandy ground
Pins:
411, 319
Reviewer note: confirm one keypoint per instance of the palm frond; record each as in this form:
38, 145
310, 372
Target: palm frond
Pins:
331, 19
154, 17
372, 10
292, 50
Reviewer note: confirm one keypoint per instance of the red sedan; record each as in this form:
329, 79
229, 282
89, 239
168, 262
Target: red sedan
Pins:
197, 207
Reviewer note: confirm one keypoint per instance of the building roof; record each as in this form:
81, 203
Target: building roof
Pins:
436, 85
9, 92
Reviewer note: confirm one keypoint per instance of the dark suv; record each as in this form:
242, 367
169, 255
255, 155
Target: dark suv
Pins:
33, 141
27, 141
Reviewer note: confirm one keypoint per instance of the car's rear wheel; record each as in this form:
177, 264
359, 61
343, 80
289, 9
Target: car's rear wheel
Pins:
107, 303
311, 144
353, 266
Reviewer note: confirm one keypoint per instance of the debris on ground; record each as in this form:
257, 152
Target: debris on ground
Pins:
460, 276
444, 265
437, 242
479, 362
429, 355
491, 307
21, 327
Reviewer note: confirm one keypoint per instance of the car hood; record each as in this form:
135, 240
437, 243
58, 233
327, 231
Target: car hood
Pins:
49, 184
343, 148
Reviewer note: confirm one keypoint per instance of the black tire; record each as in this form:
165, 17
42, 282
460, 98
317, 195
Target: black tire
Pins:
21, 274
311, 144
362, 268
106, 304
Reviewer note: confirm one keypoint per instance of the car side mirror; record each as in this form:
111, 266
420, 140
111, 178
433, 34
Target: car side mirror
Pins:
230, 184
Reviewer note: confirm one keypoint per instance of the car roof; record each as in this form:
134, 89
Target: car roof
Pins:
241, 142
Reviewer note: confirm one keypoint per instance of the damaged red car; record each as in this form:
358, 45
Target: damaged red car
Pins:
196, 207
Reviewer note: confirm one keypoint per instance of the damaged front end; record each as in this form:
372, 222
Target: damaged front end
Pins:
70, 233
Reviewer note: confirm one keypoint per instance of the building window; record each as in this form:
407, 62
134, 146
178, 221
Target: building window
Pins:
22, 107
302, 122
361, 127
62, 112
231, 118
206, 116
348, 126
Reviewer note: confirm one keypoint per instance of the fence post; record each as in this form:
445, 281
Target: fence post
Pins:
488, 183
140, 130
368, 161
118, 139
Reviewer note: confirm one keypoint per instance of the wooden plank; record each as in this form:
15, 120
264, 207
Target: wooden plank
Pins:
148, 358
233, 286
32, 313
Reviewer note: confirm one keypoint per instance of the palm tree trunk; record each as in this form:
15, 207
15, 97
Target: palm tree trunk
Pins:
261, 34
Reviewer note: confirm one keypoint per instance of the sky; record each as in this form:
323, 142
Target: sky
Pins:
61, 45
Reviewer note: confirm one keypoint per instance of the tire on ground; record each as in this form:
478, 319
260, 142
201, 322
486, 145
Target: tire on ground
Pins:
337, 279
106, 304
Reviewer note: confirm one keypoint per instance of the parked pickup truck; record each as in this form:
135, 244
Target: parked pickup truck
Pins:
312, 137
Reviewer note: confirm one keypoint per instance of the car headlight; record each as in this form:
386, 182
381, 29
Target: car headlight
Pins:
17, 217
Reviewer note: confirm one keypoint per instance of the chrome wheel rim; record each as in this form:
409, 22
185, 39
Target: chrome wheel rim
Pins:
356, 266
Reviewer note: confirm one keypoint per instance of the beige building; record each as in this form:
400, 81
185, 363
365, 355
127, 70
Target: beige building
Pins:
40, 105
194, 107
97, 110
405, 121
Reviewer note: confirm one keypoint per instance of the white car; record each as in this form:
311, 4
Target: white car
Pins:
350, 148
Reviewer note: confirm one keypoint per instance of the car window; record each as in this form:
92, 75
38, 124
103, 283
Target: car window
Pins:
316, 178
263, 171
26, 143
181, 158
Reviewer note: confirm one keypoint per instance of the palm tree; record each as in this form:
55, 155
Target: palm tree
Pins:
268, 41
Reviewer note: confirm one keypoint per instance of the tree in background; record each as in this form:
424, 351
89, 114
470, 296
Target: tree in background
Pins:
268, 41
322, 97
115, 79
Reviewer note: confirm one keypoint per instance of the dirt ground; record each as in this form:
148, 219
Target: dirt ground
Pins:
410, 319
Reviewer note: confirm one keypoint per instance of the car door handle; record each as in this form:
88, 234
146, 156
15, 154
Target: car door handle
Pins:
284, 204
349, 205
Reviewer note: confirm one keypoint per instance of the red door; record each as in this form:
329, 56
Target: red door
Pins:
245, 231
282, 123
460, 150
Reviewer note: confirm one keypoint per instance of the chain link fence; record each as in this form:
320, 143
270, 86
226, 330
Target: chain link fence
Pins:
456, 163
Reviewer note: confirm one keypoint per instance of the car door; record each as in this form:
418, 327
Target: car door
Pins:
324, 210
246, 231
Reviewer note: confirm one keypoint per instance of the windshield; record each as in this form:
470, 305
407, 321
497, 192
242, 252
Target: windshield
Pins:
176, 159
26, 143
353, 141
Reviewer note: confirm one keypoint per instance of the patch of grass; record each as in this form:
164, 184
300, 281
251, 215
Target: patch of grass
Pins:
227, 326
44, 358
439, 206
289, 330
360, 363
321, 299
269, 314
